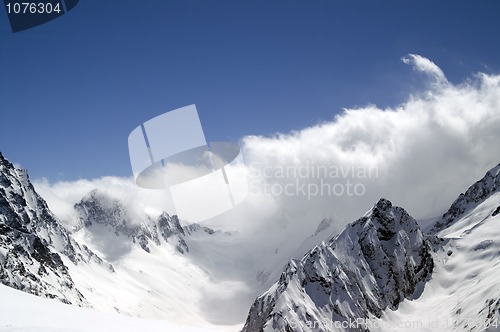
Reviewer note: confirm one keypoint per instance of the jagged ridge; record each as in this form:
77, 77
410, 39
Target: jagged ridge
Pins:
467, 201
99, 208
31, 241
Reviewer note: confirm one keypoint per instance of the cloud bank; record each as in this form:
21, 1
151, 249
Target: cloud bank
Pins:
420, 154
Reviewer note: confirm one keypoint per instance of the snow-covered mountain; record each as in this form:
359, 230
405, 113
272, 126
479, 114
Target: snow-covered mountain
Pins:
383, 274
374, 264
33, 243
99, 215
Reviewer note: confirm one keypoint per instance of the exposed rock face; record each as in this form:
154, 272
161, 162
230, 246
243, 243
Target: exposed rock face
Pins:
97, 208
172, 231
100, 209
32, 241
374, 264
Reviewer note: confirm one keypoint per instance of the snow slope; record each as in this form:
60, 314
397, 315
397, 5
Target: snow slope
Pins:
20, 311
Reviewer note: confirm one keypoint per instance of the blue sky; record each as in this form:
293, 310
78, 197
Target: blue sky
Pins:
73, 89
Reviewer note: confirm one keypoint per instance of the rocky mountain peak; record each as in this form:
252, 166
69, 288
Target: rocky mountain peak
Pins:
169, 225
4, 162
374, 264
382, 205
172, 231
98, 207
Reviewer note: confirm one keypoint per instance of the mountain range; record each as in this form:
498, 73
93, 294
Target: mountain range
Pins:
383, 272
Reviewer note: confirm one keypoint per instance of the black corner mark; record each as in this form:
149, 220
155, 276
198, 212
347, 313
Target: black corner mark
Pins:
26, 14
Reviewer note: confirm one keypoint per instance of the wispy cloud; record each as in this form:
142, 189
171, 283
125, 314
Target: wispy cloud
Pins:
426, 66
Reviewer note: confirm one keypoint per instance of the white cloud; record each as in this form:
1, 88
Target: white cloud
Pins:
420, 154
425, 65
426, 150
